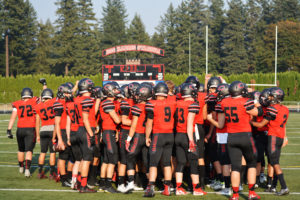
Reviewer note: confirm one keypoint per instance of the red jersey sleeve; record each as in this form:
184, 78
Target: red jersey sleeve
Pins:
149, 110
58, 108
194, 108
87, 104
136, 111
108, 106
125, 108
271, 113
249, 105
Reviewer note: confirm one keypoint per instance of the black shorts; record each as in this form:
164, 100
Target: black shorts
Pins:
223, 154
46, 141
261, 142
161, 147
241, 144
274, 149
67, 153
74, 138
200, 142
110, 151
183, 155
122, 151
85, 145
26, 139
137, 147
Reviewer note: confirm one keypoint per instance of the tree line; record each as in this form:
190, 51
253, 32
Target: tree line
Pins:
241, 36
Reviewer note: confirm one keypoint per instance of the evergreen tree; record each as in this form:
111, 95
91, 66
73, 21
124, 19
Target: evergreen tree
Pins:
216, 26
113, 24
88, 50
44, 52
286, 10
66, 37
18, 20
235, 55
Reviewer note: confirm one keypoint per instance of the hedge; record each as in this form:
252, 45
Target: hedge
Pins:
11, 87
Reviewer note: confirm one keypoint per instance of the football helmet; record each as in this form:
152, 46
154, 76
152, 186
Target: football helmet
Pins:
213, 82
62, 90
222, 91
188, 90
193, 80
161, 89
111, 89
125, 89
264, 97
85, 85
132, 87
238, 88
277, 94
201, 88
143, 93
26, 93
47, 94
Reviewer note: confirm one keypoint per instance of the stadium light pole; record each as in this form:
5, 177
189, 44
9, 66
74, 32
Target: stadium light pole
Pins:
189, 54
206, 62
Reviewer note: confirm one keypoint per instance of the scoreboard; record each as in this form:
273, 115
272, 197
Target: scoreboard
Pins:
128, 73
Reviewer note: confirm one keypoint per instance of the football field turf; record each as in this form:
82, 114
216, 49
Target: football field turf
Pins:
14, 185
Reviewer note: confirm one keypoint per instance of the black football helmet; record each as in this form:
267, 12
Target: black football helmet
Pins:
125, 89
213, 82
238, 88
201, 88
132, 87
70, 84
188, 90
97, 92
111, 89
47, 94
143, 93
223, 91
254, 95
26, 93
62, 90
161, 89
85, 85
277, 94
193, 80
264, 97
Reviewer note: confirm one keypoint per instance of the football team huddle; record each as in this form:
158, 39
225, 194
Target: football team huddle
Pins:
180, 139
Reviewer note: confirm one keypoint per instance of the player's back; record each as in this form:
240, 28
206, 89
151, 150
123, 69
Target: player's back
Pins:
277, 126
45, 111
26, 115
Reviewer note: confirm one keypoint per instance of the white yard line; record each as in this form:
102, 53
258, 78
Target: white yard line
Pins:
56, 190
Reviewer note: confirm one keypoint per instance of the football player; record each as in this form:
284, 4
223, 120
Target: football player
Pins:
222, 135
126, 103
46, 134
276, 118
135, 142
235, 111
63, 96
185, 140
26, 136
85, 108
160, 121
110, 120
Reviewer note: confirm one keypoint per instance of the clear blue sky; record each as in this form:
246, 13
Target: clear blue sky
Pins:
149, 10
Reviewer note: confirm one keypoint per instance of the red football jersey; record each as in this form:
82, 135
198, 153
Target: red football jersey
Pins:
139, 111
107, 122
72, 112
45, 111
162, 112
26, 115
84, 104
92, 114
277, 115
201, 100
125, 108
237, 119
183, 109
59, 108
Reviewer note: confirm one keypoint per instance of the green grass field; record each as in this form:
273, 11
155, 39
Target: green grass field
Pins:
15, 186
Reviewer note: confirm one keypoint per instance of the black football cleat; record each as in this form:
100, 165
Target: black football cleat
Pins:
149, 192
86, 190
110, 189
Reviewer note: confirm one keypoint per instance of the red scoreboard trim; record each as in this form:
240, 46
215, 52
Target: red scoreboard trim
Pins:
133, 47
